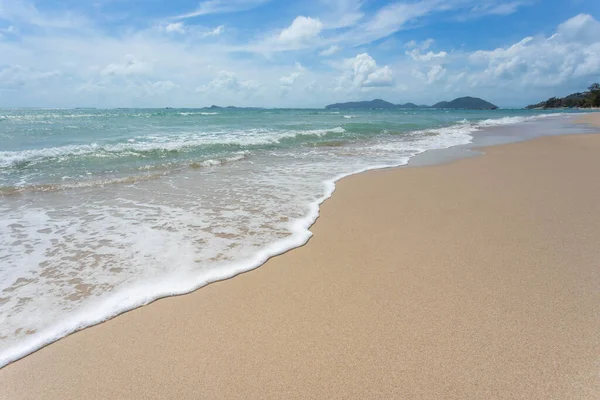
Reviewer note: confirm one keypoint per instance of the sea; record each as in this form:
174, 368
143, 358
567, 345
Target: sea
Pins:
105, 210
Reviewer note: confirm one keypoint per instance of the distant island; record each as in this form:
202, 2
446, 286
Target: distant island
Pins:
214, 107
373, 104
466, 103
588, 99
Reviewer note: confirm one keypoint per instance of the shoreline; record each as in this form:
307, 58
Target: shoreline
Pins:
138, 318
300, 236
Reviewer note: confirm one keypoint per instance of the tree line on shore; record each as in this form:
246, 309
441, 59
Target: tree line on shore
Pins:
588, 99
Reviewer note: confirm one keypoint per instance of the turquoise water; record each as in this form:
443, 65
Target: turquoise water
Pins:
105, 210
57, 147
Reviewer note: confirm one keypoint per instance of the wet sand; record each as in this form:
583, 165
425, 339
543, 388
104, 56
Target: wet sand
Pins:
477, 279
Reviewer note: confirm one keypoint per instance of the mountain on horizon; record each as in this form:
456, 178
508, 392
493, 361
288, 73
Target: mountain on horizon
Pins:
377, 104
466, 103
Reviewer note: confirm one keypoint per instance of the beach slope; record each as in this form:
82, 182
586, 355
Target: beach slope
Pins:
477, 279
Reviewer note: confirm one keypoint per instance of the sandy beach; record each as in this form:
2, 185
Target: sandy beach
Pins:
477, 279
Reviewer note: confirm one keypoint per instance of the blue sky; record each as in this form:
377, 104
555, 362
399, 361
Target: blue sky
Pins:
282, 53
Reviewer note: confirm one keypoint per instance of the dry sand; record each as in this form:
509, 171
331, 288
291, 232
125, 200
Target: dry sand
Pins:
478, 279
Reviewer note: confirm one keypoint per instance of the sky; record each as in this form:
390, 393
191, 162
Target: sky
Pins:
284, 53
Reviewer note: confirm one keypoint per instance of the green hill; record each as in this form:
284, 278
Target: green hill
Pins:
588, 99
373, 104
467, 103
410, 105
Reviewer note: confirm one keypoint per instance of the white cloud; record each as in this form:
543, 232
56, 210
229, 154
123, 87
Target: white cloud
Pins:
303, 33
416, 55
362, 72
422, 46
573, 52
289, 80
149, 88
400, 15
411, 45
391, 18
181, 28
299, 67
379, 77
331, 50
25, 13
345, 23
15, 76
312, 87
215, 32
493, 7
91, 87
301, 29
10, 29
582, 28
435, 74
175, 27
163, 86
341, 13
226, 80
134, 90
222, 7
131, 66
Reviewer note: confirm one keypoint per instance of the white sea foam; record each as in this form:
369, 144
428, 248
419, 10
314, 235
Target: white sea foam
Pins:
217, 162
9, 158
250, 137
321, 132
198, 113
515, 120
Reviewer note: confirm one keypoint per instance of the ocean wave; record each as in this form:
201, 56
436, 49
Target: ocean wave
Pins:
197, 113
158, 145
514, 120
45, 116
452, 135
321, 132
56, 187
466, 127
220, 161
41, 116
